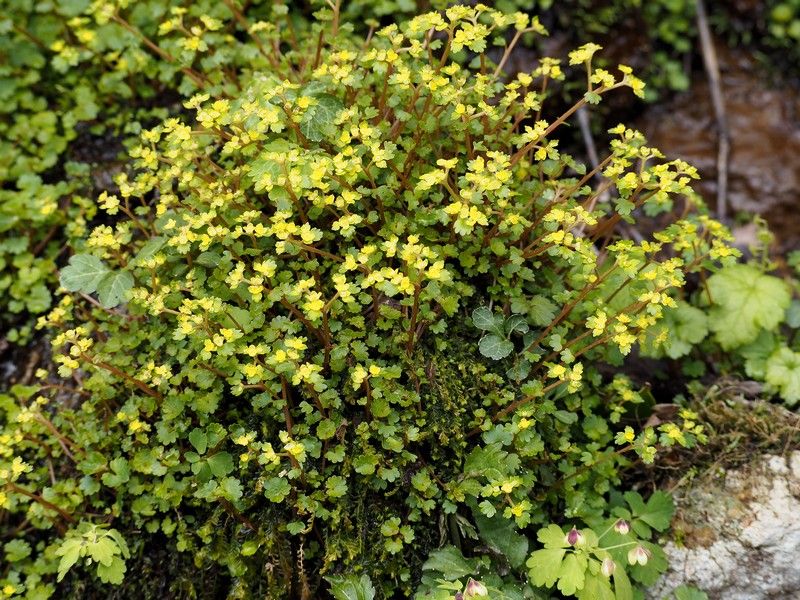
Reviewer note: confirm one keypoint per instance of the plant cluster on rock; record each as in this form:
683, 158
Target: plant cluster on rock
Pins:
349, 321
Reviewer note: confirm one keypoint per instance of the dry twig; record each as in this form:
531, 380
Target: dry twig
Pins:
714, 83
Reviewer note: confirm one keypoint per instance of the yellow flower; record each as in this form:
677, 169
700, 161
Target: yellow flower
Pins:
266, 267
313, 305
437, 270
628, 434
597, 323
136, 425
430, 179
252, 370
583, 54
357, 376
295, 449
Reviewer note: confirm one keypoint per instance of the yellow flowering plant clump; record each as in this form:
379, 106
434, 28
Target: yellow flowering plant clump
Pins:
79, 80
355, 305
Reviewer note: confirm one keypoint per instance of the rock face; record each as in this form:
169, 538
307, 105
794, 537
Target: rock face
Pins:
741, 535
764, 123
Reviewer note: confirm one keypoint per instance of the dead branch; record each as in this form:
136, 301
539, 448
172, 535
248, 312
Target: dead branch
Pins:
715, 85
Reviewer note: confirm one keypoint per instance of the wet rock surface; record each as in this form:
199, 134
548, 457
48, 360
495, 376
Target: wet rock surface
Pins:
740, 534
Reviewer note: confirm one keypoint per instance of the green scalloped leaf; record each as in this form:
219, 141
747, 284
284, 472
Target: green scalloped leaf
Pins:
745, 302
83, 273
113, 288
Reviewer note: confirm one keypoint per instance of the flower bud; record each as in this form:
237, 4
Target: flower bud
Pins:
574, 537
622, 526
639, 555
475, 589
458, 596
608, 567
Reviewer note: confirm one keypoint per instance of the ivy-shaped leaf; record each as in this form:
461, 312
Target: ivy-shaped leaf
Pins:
113, 287
484, 319
450, 563
516, 324
319, 118
495, 347
83, 273
502, 536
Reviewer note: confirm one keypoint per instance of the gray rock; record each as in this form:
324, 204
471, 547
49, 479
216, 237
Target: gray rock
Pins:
741, 534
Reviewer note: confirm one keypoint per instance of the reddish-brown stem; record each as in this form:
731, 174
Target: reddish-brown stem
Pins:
122, 375
231, 510
36, 498
516, 404
412, 326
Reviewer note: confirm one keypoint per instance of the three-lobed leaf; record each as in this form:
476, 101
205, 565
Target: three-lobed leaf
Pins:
544, 566
112, 573
552, 536
70, 551
656, 512
597, 587
572, 573
102, 550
